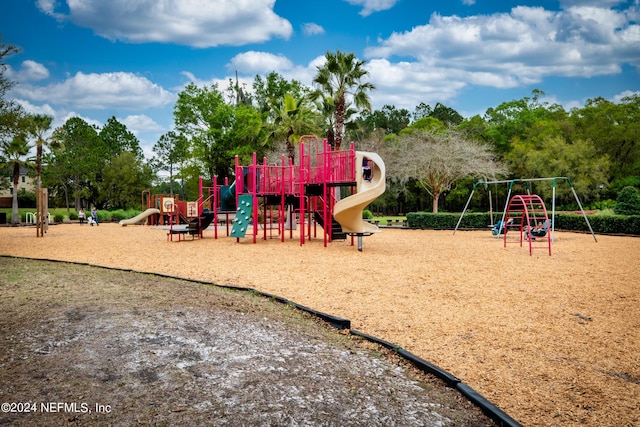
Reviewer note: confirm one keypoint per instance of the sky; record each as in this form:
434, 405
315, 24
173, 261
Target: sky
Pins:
131, 58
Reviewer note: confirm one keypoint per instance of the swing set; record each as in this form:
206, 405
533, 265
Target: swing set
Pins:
526, 212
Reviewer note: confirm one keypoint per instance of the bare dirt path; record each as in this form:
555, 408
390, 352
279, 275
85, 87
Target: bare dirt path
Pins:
550, 340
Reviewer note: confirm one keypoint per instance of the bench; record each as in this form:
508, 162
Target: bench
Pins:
192, 229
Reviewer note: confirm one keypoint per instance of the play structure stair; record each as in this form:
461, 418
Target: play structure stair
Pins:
336, 229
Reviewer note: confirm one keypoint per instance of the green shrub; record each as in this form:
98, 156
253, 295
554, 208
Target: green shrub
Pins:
612, 224
628, 202
448, 221
73, 216
366, 214
26, 199
103, 216
118, 215
58, 218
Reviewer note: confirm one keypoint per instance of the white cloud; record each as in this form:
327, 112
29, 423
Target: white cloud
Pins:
117, 90
197, 23
31, 71
618, 98
565, 4
30, 108
522, 47
140, 123
48, 7
259, 62
406, 84
371, 6
312, 29
469, 2
28, 71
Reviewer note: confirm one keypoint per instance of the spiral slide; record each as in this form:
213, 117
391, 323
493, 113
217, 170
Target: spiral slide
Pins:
348, 211
138, 218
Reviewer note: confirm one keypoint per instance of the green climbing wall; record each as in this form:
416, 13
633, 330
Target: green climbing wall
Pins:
243, 215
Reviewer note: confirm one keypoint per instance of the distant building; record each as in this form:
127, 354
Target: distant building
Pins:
25, 181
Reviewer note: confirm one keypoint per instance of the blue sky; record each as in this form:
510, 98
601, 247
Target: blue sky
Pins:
130, 58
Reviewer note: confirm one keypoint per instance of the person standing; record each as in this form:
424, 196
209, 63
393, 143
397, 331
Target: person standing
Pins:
81, 215
94, 215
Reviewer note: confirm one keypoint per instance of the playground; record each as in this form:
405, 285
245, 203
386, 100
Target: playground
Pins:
551, 340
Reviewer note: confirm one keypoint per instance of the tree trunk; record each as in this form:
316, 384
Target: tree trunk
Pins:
331, 139
15, 213
339, 119
436, 196
39, 167
291, 150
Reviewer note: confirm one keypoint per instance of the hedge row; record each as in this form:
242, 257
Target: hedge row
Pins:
613, 224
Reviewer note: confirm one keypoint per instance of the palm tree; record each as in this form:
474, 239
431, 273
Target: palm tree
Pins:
38, 125
13, 154
292, 118
338, 79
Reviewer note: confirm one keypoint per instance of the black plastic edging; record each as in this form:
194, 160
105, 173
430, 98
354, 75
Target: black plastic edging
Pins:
423, 365
492, 411
383, 343
275, 297
336, 322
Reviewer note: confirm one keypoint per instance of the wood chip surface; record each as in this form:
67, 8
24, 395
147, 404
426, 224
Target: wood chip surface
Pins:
551, 340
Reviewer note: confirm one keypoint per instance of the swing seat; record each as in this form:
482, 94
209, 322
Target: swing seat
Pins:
539, 233
498, 228
542, 231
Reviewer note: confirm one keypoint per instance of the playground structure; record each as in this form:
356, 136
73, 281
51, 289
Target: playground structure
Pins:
526, 212
528, 215
163, 209
140, 217
276, 198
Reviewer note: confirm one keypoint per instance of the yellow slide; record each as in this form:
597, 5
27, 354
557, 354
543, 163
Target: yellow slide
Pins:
370, 184
138, 218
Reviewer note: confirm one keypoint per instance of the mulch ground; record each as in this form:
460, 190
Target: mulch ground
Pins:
551, 340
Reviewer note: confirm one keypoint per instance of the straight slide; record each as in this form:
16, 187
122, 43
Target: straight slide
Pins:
138, 218
370, 184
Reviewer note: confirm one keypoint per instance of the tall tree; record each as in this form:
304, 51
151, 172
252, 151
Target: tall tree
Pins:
76, 161
292, 118
422, 110
552, 155
37, 126
270, 90
475, 128
513, 119
14, 154
247, 133
390, 119
217, 131
202, 115
118, 138
614, 128
123, 180
171, 151
340, 83
446, 115
10, 112
436, 160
